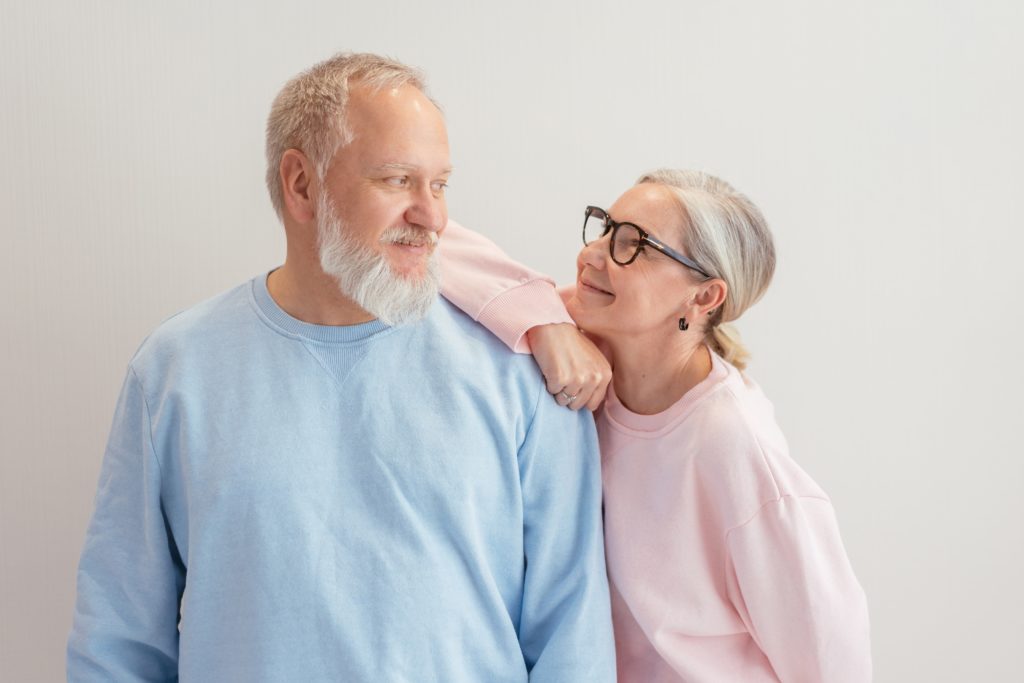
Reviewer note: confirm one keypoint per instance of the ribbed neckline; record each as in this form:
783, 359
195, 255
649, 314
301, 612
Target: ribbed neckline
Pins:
278, 319
653, 425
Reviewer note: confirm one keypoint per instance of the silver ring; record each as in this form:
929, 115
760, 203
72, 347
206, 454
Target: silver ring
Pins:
568, 398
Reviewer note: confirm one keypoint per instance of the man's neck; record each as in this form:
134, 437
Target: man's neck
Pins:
312, 296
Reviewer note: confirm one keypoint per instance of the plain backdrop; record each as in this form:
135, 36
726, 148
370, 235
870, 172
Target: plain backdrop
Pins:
883, 140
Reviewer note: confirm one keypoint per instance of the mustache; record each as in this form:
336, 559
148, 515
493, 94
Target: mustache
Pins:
407, 235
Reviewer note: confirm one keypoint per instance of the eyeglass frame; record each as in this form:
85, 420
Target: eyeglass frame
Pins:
646, 239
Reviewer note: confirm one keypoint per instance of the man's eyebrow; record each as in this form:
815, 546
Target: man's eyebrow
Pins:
406, 168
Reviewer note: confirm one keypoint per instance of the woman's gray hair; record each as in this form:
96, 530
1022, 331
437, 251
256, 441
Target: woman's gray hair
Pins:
309, 112
728, 236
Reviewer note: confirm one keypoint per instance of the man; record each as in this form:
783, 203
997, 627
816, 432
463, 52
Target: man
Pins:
328, 473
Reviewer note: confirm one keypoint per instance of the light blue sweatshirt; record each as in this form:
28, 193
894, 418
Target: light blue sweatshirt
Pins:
281, 501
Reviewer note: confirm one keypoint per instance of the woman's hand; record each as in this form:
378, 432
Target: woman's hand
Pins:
575, 370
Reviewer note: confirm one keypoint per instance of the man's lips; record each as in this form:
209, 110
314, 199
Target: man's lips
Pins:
413, 243
415, 248
410, 238
593, 288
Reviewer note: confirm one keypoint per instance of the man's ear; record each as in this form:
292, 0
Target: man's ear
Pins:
296, 175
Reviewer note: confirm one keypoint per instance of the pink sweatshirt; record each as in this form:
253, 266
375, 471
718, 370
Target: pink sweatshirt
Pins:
505, 297
724, 557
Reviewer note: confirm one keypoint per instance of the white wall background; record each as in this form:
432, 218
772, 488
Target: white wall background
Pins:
882, 139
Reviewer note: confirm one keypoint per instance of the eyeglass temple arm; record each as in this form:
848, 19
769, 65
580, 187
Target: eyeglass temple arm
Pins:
672, 253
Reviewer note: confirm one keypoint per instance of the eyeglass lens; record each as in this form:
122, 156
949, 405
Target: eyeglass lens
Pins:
595, 228
626, 239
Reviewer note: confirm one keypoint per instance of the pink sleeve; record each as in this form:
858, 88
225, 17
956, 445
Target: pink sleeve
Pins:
505, 297
793, 586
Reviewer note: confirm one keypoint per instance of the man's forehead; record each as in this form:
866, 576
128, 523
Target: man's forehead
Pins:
397, 130
372, 103
397, 109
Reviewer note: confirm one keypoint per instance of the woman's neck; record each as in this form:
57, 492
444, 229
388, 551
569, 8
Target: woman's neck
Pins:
650, 377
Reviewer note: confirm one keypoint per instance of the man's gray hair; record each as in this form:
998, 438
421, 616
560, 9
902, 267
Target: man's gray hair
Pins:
309, 112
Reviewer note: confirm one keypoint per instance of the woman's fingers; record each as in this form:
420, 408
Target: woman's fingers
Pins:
575, 371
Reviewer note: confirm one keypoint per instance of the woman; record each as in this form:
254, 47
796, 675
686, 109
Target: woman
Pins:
724, 557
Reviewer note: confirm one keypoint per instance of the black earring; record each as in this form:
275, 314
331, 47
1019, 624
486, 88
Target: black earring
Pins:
683, 325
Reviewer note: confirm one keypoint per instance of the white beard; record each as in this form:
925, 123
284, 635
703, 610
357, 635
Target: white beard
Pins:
365, 276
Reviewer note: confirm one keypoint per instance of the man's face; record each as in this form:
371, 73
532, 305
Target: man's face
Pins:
388, 184
365, 275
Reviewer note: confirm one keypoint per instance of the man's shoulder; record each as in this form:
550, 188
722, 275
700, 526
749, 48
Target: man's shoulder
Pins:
464, 335
467, 353
204, 325
463, 349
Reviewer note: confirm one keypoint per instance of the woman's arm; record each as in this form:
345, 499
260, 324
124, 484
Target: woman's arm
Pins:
523, 309
793, 586
504, 296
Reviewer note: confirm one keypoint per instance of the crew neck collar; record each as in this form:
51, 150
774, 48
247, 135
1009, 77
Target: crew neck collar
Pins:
653, 425
277, 318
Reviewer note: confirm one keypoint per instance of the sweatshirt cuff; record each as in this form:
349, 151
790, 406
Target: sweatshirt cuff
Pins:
513, 312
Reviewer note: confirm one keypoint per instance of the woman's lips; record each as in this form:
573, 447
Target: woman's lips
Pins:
586, 286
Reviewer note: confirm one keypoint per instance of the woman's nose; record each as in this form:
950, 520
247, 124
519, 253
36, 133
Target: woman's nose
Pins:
595, 253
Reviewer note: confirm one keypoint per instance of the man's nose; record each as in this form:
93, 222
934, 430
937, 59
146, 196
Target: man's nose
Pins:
427, 210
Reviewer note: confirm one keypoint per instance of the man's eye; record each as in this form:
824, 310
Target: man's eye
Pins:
439, 186
397, 181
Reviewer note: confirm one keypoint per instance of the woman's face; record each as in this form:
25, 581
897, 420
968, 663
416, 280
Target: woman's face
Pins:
648, 295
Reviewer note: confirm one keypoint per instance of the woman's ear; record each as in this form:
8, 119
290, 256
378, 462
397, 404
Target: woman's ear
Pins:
711, 295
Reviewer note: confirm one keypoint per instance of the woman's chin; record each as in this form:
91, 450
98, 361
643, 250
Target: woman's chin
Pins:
575, 308
586, 315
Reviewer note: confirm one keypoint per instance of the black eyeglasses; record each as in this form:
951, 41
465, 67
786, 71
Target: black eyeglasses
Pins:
628, 239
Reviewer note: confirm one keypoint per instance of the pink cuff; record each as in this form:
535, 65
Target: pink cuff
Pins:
512, 313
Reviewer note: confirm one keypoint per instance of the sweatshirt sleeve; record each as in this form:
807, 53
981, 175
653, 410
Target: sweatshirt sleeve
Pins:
130, 577
502, 295
565, 627
793, 585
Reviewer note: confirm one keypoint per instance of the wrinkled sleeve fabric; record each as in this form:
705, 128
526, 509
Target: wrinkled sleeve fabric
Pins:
130, 577
565, 628
502, 295
794, 587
